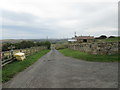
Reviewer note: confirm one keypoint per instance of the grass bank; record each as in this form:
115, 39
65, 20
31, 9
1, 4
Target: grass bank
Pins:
13, 68
116, 39
89, 57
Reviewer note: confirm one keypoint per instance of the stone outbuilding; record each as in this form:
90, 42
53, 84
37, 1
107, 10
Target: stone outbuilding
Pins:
84, 39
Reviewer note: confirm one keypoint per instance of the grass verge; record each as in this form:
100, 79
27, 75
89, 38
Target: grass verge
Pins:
13, 68
89, 57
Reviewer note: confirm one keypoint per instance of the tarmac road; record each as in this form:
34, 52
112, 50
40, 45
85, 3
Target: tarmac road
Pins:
57, 71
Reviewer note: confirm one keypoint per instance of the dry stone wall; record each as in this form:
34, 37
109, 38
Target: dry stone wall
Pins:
107, 48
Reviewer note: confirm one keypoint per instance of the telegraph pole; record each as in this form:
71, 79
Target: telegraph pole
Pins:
47, 38
75, 34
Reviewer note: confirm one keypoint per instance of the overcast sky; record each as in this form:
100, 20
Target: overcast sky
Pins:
36, 19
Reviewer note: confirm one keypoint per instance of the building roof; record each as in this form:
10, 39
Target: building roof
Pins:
84, 37
72, 40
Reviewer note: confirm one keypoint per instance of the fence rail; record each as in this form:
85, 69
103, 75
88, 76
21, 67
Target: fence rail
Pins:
8, 56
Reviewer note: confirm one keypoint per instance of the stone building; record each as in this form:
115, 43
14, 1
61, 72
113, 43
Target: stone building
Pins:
84, 39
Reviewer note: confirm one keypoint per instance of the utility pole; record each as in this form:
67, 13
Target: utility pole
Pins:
75, 34
47, 38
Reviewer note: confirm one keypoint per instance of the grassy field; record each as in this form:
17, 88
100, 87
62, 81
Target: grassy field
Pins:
13, 68
109, 39
89, 57
61, 46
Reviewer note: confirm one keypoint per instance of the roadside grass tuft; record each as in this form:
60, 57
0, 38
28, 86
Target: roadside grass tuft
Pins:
89, 57
13, 68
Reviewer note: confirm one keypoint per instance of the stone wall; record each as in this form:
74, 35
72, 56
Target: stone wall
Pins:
108, 48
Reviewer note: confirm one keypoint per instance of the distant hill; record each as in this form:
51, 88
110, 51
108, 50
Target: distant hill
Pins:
35, 40
11, 40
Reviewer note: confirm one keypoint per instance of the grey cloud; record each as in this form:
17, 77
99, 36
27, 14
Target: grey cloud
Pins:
89, 16
15, 16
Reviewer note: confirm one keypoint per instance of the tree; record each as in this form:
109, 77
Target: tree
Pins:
25, 44
5, 47
102, 37
48, 44
111, 37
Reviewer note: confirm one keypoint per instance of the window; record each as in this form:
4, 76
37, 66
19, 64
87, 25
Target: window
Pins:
84, 40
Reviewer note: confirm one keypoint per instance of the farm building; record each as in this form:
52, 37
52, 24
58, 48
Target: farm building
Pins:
84, 39
72, 40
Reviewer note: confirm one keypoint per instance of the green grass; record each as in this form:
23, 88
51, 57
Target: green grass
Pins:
109, 39
13, 68
89, 57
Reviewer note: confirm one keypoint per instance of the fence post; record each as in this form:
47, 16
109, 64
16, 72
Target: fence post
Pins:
30, 51
11, 53
20, 50
2, 55
27, 53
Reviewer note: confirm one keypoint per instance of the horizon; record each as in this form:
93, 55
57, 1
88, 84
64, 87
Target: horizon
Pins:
48, 38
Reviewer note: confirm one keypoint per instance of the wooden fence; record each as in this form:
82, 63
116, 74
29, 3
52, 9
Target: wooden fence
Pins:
8, 56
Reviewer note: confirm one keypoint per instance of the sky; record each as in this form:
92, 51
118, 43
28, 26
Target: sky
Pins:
39, 19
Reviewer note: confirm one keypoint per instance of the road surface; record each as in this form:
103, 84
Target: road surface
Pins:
57, 71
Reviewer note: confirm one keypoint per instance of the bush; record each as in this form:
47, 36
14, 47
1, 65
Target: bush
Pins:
102, 37
25, 44
111, 37
61, 46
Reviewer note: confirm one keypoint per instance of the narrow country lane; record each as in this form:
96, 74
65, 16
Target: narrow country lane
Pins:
57, 71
